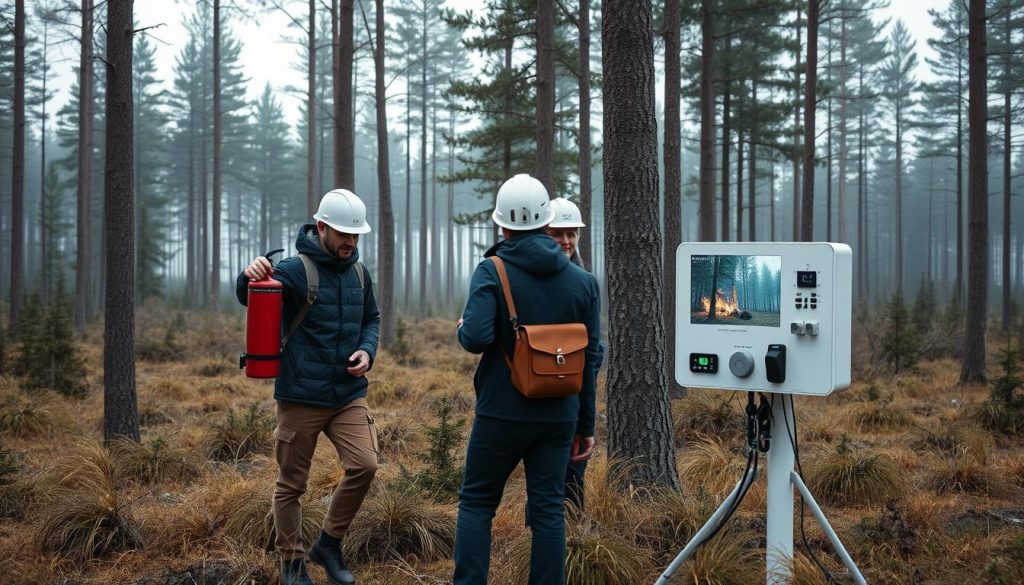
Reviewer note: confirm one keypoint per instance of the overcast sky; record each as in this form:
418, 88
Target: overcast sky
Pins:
267, 56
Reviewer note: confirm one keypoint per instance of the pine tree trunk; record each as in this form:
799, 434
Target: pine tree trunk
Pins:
586, 186
120, 408
673, 198
311, 195
408, 260
959, 178
451, 253
1007, 170
190, 230
842, 132
828, 141
752, 187
386, 272
973, 366
217, 175
336, 92
83, 252
796, 132
639, 423
810, 101
345, 142
707, 123
18, 170
739, 186
424, 253
726, 102
898, 212
545, 123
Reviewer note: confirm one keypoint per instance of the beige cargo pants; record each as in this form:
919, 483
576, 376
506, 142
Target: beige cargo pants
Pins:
351, 430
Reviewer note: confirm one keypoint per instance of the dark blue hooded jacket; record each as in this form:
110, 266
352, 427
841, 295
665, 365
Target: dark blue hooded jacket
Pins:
343, 319
547, 289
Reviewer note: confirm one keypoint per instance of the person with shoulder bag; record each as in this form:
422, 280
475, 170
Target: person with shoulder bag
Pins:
535, 318
330, 345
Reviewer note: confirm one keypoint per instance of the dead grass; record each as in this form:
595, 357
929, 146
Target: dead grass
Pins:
709, 467
400, 524
239, 435
853, 476
24, 417
704, 413
154, 460
727, 559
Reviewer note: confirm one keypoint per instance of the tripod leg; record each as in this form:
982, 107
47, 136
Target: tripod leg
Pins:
827, 528
708, 527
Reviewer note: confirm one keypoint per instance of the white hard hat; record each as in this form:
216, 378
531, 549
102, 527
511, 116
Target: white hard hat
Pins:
522, 204
344, 211
567, 215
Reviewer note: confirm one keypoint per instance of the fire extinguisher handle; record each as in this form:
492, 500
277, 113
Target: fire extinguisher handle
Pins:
271, 253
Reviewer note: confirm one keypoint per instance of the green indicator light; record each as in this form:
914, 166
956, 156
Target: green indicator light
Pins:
702, 361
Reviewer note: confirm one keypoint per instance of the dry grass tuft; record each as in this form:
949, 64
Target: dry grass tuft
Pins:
400, 524
24, 417
671, 519
154, 460
398, 436
702, 414
848, 476
724, 560
801, 570
709, 466
1014, 467
878, 415
593, 556
213, 368
248, 519
964, 471
237, 436
84, 516
606, 500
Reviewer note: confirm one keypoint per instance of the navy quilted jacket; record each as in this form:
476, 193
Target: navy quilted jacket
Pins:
343, 319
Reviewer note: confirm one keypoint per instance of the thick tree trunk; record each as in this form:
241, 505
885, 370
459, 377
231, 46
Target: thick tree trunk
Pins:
345, 142
18, 170
83, 252
973, 366
810, 101
386, 217
707, 123
586, 195
545, 123
639, 423
673, 198
311, 194
120, 408
217, 173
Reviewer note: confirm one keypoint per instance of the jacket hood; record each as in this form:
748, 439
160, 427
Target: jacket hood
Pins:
535, 253
308, 243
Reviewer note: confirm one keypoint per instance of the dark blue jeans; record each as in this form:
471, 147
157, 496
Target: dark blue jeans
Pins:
495, 448
573, 487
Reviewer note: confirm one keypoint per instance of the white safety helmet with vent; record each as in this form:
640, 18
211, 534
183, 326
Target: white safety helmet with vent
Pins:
344, 211
522, 204
567, 215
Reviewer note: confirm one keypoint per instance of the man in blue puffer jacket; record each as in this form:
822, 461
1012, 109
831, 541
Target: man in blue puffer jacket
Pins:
509, 427
322, 387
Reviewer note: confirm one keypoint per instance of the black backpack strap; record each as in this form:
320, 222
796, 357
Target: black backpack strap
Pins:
312, 288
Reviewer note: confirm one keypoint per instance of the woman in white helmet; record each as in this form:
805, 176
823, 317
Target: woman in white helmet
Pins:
565, 228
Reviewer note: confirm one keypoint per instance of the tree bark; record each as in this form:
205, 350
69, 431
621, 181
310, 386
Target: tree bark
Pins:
810, 100
1007, 169
386, 273
843, 75
673, 199
83, 238
973, 366
336, 92
18, 170
898, 212
120, 408
707, 123
796, 133
311, 194
726, 103
217, 161
639, 423
424, 253
345, 141
586, 185
545, 125
960, 179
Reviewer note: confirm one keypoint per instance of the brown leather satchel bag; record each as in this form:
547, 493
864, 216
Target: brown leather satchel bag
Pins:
547, 360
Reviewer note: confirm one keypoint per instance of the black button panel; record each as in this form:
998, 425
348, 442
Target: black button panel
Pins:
704, 363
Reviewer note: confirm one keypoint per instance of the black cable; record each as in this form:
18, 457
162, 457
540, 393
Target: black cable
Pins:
794, 442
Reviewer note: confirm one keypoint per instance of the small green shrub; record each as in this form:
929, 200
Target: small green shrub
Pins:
899, 338
443, 475
48, 356
166, 350
1003, 411
237, 436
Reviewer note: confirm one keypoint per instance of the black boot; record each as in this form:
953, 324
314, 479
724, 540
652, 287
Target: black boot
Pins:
326, 552
293, 572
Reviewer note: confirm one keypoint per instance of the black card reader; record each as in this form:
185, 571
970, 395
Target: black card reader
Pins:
775, 363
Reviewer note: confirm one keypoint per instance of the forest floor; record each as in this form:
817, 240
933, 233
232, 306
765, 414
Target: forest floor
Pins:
917, 491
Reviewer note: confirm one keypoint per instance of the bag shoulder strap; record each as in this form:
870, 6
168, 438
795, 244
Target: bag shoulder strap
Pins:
499, 264
312, 289
361, 274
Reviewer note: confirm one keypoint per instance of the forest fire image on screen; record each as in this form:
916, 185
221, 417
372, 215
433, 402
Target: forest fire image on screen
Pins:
739, 290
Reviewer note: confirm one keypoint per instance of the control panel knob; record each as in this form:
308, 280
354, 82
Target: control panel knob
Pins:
741, 364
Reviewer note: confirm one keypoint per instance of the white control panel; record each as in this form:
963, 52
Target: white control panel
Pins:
764, 316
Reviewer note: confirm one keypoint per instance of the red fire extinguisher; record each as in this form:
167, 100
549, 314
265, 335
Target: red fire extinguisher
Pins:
262, 357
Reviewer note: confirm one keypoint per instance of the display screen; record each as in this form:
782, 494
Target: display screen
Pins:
735, 290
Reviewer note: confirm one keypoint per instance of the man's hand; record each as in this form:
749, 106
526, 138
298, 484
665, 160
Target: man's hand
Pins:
458, 324
582, 448
259, 269
359, 363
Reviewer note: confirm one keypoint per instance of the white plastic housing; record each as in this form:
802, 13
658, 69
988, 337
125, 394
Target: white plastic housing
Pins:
816, 335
